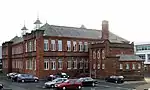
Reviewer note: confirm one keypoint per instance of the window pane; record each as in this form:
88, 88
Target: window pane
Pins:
68, 45
59, 45
46, 45
53, 47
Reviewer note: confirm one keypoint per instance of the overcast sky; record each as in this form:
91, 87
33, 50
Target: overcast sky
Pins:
129, 19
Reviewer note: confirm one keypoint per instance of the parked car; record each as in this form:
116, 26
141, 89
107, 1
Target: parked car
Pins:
88, 81
25, 78
69, 84
115, 79
1, 86
58, 75
51, 84
10, 75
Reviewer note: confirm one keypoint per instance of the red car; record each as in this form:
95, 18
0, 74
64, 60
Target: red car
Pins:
69, 84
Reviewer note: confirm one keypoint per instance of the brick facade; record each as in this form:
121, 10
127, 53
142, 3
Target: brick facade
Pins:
111, 61
29, 56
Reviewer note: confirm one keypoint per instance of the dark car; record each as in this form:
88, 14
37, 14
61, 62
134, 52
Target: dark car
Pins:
88, 81
1, 86
58, 75
115, 79
71, 84
25, 78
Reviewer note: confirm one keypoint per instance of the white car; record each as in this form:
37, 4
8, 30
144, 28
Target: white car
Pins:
10, 75
51, 84
1, 86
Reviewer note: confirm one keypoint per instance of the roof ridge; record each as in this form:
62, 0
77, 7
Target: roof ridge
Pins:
71, 27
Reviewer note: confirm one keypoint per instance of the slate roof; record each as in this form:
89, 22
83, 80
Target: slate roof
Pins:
63, 31
129, 58
17, 39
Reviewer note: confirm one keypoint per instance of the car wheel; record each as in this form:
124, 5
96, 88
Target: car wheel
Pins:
93, 84
116, 81
79, 87
52, 86
64, 88
22, 81
35, 80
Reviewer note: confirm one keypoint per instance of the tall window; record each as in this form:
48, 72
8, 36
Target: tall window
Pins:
80, 46
74, 46
35, 45
34, 64
30, 46
81, 64
27, 64
94, 54
98, 66
46, 45
13, 64
53, 65
133, 66
75, 64
85, 46
86, 64
26, 47
46, 64
60, 64
59, 45
121, 66
127, 66
53, 45
69, 64
103, 66
139, 66
68, 45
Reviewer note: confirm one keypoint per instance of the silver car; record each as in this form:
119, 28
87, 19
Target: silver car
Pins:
51, 84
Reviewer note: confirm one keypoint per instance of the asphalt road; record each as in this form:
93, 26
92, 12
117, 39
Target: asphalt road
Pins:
38, 86
9, 85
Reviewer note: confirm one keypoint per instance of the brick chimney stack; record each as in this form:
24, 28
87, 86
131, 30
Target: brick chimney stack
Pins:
105, 29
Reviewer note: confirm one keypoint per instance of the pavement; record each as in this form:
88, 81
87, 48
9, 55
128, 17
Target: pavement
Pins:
145, 86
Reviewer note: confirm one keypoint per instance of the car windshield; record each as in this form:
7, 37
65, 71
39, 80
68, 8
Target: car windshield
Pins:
66, 81
89, 78
63, 74
120, 77
57, 79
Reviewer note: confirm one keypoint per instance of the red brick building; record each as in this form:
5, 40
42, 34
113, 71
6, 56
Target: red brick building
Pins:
109, 58
50, 49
